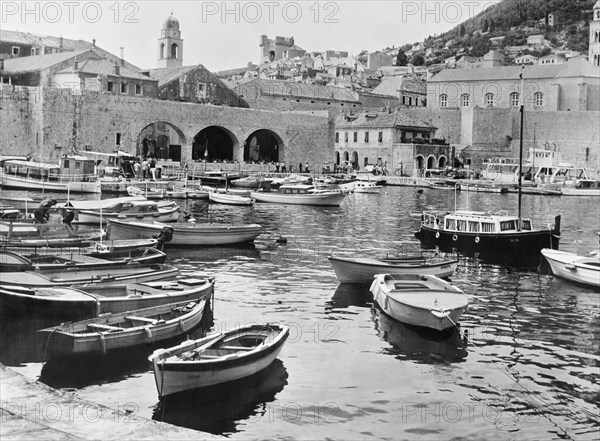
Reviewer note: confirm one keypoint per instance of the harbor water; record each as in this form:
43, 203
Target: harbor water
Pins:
524, 363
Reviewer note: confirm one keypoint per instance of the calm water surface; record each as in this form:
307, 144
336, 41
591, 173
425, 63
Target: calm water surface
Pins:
524, 364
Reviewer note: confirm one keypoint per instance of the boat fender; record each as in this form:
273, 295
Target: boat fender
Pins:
181, 325
455, 238
102, 344
98, 308
476, 239
570, 266
437, 235
148, 332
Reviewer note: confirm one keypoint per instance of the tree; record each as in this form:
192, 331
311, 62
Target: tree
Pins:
485, 26
492, 26
417, 60
462, 30
401, 58
481, 46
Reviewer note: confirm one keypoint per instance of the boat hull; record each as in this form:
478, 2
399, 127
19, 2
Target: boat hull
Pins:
229, 199
9, 181
362, 270
187, 234
506, 247
93, 217
584, 270
175, 377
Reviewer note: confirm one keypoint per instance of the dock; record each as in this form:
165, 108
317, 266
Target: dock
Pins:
34, 411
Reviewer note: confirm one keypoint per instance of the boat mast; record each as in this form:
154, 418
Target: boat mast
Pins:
522, 110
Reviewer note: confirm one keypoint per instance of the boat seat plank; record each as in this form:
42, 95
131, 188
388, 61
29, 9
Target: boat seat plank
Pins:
236, 348
98, 326
142, 319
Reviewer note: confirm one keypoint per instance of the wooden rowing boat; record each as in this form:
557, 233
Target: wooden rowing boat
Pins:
217, 359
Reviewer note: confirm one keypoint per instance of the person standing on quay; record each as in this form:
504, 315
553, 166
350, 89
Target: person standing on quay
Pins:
145, 168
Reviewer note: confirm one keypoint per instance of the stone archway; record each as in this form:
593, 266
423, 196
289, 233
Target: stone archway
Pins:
420, 162
161, 140
442, 161
263, 145
214, 143
431, 163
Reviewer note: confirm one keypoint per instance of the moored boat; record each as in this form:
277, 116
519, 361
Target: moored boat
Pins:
252, 182
27, 234
138, 210
187, 233
91, 300
582, 187
109, 332
418, 300
301, 194
580, 269
363, 269
217, 359
230, 199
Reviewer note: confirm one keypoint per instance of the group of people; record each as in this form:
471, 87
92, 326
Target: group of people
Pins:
146, 169
281, 167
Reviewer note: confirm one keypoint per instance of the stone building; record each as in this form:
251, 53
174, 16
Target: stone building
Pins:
390, 138
170, 44
14, 44
594, 49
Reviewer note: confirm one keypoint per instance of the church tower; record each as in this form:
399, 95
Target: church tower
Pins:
170, 44
594, 54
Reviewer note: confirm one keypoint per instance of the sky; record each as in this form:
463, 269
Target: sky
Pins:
225, 35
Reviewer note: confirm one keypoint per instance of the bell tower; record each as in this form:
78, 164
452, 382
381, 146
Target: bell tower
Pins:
594, 53
170, 44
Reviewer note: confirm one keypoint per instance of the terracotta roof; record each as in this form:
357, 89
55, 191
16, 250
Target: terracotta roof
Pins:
38, 62
167, 74
101, 66
575, 67
44, 40
302, 90
381, 119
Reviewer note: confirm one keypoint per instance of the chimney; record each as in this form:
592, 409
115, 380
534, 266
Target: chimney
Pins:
94, 42
122, 56
75, 64
61, 41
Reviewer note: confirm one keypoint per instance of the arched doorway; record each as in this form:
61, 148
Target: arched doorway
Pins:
160, 140
337, 158
365, 162
431, 163
346, 156
263, 146
214, 143
442, 162
420, 162
354, 159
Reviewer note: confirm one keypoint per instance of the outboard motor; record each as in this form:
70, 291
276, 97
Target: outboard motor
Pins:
165, 235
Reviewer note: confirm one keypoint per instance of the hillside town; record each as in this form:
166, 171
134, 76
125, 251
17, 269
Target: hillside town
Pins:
460, 110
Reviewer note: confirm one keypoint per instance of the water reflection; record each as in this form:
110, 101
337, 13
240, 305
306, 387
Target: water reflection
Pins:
347, 295
219, 409
419, 344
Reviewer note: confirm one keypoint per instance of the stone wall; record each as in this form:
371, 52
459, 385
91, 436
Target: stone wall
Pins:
66, 121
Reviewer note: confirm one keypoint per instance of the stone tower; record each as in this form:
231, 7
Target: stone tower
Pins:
594, 54
170, 44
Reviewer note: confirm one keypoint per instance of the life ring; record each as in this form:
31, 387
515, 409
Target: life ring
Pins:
476, 239
437, 235
455, 238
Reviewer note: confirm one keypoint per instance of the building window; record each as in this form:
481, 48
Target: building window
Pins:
366, 136
410, 100
138, 89
202, 90
118, 139
489, 100
110, 86
514, 99
403, 100
355, 136
123, 87
32, 51
465, 100
16, 50
345, 136
380, 137
443, 100
337, 136
538, 99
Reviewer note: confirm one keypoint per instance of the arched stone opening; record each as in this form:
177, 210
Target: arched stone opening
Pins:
214, 143
263, 146
431, 163
420, 162
160, 140
442, 162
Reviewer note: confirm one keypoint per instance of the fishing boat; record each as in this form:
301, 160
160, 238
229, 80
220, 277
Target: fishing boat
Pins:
27, 234
148, 193
230, 199
252, 182
91, 300
362, 187
363, 269
109, 332
418, 300
582, 187
139, 210
301, 194
72, 174
11, 261
187, 233
580, 269
217, 359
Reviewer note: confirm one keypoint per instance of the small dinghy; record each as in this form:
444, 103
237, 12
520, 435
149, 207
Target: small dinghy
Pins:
418, 300
109, 332
217, 359
363, 269
230, 199
579, 269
